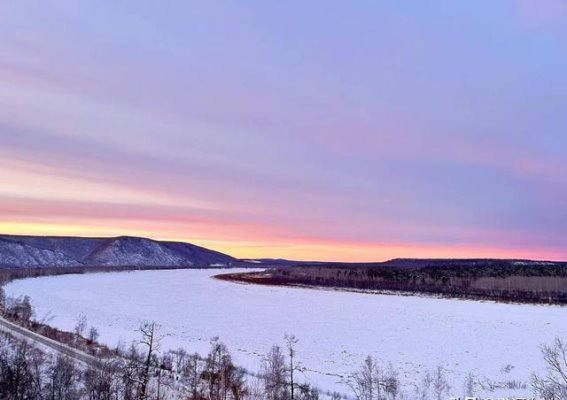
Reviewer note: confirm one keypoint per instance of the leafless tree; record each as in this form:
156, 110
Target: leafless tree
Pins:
131, 372
391, 383
275, 375
191, 374
27, 310
469, 386
20, 370
553, 386
103, 381
2, 300
440, 384
307, 392
423, 390
177, 360
80, 325
236, 381
213, 370
370, 382
150, 342
19, 309
93, 334
256, 390
366, 382
224, 379
291, 343
63, 376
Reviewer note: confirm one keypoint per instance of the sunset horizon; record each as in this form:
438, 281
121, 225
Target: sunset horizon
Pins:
365, 133
315, 251
283, 200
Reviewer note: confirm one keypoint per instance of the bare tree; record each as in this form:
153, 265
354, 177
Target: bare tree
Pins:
191, 373
131, 372
440, 385
27, 310
469, 386
366, 382
103, 381
391, 383
19, 309
291, 342
422, 390
222, 376
553, 386
177, 359
63, 375
80, 325
275, 375
149, 340
236, 382
307, 392
370, 382
93, 334
256, 390
2, 300
20, 371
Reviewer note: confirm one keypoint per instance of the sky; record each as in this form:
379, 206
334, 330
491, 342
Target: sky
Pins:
315, 130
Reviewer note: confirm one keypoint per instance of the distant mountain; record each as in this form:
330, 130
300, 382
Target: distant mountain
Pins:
127, 251
50, 251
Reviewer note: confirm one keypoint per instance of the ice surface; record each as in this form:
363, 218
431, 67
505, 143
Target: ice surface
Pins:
336, 329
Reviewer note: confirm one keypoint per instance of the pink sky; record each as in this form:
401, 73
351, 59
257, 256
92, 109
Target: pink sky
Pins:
359, 132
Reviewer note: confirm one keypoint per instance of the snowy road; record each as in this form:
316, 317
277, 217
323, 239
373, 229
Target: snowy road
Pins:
44, 342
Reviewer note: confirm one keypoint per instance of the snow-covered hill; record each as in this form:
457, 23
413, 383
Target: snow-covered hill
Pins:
17, 254
39, 251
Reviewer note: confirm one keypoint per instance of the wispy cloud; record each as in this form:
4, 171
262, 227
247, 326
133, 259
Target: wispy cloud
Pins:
419, 136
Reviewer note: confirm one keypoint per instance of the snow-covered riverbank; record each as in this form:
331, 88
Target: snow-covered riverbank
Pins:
336, 329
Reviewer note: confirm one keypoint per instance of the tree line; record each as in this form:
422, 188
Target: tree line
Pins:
142, 372
496, 280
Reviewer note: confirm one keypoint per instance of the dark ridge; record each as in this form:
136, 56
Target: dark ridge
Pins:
67, 251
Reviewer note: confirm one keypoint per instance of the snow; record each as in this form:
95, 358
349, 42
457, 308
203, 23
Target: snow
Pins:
38, 251
137, 251
21, 255
336, 329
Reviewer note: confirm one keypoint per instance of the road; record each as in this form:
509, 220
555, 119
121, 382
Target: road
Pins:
18, 331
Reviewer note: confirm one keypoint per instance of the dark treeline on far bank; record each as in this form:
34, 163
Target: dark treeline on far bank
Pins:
504, 280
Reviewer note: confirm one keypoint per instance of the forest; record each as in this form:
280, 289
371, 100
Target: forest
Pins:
503, 280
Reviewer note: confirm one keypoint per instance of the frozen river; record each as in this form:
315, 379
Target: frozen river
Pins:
336, 330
